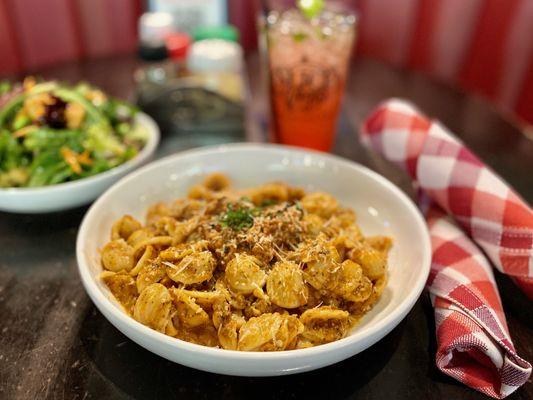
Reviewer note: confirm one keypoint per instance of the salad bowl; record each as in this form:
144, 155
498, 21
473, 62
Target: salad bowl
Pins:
79, 192
62, 145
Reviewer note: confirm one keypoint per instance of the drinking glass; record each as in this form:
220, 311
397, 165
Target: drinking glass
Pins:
307, 62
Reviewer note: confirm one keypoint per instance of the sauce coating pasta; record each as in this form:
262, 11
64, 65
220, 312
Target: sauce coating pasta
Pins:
267, 268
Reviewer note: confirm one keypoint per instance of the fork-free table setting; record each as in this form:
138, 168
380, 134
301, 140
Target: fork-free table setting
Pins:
54, 343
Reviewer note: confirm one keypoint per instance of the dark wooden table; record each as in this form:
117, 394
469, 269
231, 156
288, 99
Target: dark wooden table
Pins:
54, 344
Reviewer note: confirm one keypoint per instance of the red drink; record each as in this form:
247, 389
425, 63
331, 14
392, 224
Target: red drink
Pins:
308, 59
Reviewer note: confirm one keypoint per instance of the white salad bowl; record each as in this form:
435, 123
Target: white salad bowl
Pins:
76, 193
381, 208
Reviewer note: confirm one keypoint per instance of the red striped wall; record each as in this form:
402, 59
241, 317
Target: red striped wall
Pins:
242, 14
484, 46
9, 51
53, 31
46, 31
524, 103
483, 66
386, 28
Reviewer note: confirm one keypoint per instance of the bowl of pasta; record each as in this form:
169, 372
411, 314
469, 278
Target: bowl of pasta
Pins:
254, 260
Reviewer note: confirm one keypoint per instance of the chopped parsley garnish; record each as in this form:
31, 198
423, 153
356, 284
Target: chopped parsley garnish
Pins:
237, 217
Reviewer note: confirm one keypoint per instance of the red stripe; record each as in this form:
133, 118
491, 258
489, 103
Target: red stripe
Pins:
422, 44
10, 57
74, 12
95, 27
118, 15
138, 9
524, 104
243, 14
386, 28
45, 31
361, 33
483, 65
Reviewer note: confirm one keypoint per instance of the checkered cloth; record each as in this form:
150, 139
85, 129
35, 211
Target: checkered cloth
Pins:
474, 345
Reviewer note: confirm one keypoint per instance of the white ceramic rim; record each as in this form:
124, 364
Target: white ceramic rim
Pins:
105, 305
148, 149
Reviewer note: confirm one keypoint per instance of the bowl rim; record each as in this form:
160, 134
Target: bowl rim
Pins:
148, 149
105, 305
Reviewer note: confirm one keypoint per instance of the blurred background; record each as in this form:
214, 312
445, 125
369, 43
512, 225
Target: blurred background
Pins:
480, 46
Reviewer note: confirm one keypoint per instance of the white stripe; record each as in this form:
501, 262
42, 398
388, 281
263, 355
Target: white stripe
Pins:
450, 273
434, 172
446, 230
395, 144
506, 390
399, 105
450, 45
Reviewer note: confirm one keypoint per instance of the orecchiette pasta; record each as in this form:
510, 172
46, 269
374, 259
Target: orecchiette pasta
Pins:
124, 227
271, 192
149, 253
228, 333
269, 268
321, 204
244, 274
153, 307
350, 283
286, 286
270, 332
139, 236
325, 324
216, 182
373, 262
117, 255
193, 268
122, 285
151, 272
190, 314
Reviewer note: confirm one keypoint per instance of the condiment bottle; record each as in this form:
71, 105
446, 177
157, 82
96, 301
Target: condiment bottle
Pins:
155, 69
217, 65
226, 32
178, 45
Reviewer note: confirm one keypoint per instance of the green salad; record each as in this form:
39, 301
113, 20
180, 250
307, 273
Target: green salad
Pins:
51, 133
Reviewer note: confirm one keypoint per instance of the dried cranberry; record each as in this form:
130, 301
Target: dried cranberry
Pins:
54, 114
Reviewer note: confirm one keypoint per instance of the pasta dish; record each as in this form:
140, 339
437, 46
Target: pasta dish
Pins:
266, 268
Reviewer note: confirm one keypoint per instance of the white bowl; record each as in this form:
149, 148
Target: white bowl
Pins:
381, 207
76, 193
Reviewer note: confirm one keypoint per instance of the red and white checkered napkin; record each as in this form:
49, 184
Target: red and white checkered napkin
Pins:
474, 345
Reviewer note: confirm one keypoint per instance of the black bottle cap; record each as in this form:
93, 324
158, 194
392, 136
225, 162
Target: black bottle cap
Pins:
152, 53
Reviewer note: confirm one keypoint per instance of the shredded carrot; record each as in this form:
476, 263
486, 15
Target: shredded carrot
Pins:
85, 159
71, 158
24, 131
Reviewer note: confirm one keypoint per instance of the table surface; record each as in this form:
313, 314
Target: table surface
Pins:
54, 344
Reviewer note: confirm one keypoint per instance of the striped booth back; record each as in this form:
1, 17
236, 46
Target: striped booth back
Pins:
484, 46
